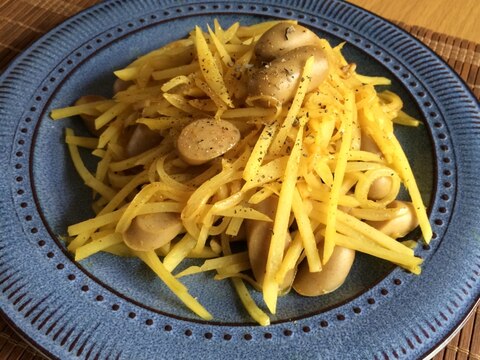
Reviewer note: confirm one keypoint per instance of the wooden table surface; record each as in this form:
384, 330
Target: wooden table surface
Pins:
459, 18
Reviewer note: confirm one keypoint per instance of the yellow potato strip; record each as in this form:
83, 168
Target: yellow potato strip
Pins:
354, 166
112, 217
235, 268
407, 261
165, 122
140, 159
111, 132
259, 151
280, 227
95, 223
181, 103
342, 157
102, 167
99, 153
406, 120
258, 29
154, 263
290, 259
133, 208
134, 94
98, 245
84, 109
244, 213
377, 214
357, 225
167, 179
373, 80
127, 74
322, 169
144, 75
260, 195
174, 82
214, 264
179, 252
268, 173
206, 190
359, 155
86, 176
234, 226
176, 71
82, 141
209, 68
248, 112
129, 187
306, 231
406, 173
202, 85
109, 115
287, 124
119, 250
224, 56
170, 49
254, 311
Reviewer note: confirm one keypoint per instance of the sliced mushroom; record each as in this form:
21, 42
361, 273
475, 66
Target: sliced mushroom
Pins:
152, 231
259, 234
382, 186
280, 78
89, 120
401, 225
205, 139
330, 278
282, 38
141, 139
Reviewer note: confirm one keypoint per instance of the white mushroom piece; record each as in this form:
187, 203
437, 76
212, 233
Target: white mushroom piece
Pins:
286, 47
259, 235
400, 225
141, 139
330, 278
206, 139
152, 231
380, 187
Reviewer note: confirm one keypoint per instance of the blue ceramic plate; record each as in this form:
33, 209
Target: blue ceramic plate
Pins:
111, 308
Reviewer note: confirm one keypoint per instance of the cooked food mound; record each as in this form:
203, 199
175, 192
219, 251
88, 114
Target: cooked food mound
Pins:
259, 150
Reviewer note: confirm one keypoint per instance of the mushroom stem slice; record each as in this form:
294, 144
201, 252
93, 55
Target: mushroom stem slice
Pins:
332, 276
259, 234
206, 139
151, 231
398, 226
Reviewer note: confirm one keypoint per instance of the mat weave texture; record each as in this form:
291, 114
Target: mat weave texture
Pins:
24, 21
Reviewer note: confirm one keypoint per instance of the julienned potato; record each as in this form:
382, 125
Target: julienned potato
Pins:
261, 135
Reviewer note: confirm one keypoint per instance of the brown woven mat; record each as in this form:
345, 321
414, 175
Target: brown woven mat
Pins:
24, 21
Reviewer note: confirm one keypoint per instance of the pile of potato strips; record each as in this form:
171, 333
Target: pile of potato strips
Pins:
306, 153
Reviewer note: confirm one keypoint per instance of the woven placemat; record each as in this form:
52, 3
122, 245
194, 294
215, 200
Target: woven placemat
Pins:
24, 21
